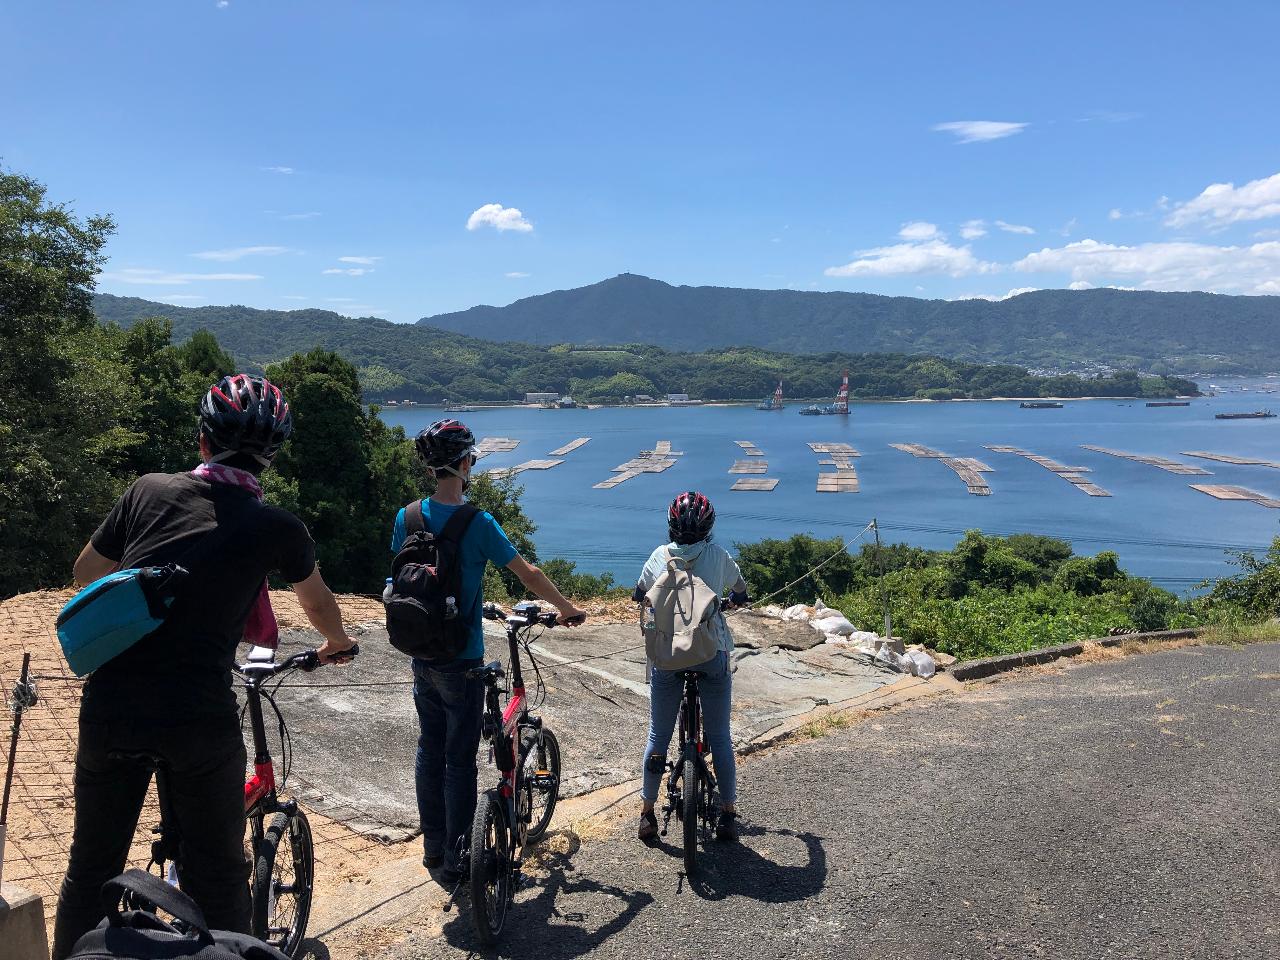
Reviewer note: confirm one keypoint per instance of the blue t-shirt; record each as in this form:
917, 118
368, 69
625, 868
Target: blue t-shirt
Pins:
484, 542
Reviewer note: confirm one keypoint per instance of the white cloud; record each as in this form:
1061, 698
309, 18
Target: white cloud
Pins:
239, 253
1220, 204
930, 256
348, 271
918, 230
973, 229
1014, 228
977, 131
1178, 265
500, 218
278, 169
1115, 214
1067, 227
516, 275
1080, 285
366, 261
165, 278
1270, 233
1015, 292
223, 4
309, 215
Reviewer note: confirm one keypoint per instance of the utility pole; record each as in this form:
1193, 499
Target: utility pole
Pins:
24, 698
884, 594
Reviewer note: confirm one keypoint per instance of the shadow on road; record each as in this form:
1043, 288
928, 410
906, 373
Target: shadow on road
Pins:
739, 870
537, 926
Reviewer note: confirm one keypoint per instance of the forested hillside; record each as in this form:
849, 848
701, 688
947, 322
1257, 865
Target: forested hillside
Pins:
405, 361
1060, 329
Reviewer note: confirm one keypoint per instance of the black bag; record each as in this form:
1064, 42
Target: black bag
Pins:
424, 618
141, 935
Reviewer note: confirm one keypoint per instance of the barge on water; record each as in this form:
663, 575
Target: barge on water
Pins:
838, 409
1040, 405
1168, 403
1255, 415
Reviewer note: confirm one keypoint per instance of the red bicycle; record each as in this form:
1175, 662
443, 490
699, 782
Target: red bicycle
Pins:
283, 875
527, 754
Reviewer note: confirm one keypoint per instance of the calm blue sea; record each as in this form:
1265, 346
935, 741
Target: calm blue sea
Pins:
1160, 527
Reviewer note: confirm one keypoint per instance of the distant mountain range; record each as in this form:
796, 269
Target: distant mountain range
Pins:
1059, 329
413, 362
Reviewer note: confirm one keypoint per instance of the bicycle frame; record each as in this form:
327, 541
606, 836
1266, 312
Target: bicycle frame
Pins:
692, 747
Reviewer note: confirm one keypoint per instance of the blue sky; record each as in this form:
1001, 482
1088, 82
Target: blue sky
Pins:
405, 159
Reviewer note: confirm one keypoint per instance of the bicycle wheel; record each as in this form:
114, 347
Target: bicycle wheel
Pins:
283, 870
540, 763
691, 787
491, 853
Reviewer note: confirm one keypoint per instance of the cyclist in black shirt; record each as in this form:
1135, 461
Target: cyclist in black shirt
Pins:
169, 696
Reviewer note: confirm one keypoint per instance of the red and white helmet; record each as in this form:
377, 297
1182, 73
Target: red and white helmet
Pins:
244, 414
690, 518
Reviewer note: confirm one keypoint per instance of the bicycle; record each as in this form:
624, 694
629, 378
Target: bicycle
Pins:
691, 786
281, 883
526, 752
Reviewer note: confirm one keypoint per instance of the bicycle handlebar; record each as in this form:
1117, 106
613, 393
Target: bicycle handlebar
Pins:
526, 614
305, 660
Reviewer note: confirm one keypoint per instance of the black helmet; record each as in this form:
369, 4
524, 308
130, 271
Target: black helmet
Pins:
444, 443
244, 414
690, 518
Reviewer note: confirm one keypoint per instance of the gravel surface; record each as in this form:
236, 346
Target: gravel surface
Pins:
1119, 809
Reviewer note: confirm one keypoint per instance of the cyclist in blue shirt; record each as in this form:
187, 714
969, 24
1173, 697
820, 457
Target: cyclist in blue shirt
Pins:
450, 706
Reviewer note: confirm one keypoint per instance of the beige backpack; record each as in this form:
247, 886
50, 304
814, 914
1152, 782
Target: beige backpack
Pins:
678, 609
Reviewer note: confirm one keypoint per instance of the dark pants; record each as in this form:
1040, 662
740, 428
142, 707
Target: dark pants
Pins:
449, 713
204, 771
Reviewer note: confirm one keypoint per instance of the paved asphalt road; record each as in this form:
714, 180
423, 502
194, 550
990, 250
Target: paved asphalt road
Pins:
1121, 809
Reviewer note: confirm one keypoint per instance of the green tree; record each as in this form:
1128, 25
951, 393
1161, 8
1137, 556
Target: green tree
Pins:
344, 472
59, 397
203, 355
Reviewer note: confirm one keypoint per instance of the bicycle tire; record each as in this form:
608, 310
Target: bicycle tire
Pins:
290, 836
689, 813
547, 764
491, 842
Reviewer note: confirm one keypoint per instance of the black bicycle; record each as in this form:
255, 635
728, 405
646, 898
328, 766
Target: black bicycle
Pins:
691, 786
283, 875
518, 810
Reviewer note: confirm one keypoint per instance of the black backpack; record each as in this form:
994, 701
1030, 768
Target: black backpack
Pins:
424, 616
141, 935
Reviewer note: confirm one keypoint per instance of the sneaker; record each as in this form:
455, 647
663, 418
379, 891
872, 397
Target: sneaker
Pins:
726, 827
433, 862
648, 830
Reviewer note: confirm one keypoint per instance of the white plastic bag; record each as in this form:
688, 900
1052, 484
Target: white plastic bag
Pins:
922, 664
797, 612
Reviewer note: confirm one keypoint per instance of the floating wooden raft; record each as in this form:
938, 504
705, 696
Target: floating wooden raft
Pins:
763, 484
749, 466
568, 448
490, 445
840, 456
1164, 463
1229, 458
968, 469
1073, 475
522, 467
660, 458
749, 448
1223, 492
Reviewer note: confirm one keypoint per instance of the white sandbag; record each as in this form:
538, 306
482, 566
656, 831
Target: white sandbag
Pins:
922, 664
835, 623
773, 610
887, 656
864, 638
797, 612
836, 638
819, 606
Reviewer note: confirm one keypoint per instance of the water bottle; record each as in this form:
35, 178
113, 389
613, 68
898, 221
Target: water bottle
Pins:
450, 607
386, 592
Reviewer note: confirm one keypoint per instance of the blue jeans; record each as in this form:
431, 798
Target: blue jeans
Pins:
715, 690
450, 708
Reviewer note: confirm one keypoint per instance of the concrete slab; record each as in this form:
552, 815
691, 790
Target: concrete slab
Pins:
22, 927
354, 730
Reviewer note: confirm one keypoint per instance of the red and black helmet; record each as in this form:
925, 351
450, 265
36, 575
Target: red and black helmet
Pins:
444, 443
690, 518
244, 414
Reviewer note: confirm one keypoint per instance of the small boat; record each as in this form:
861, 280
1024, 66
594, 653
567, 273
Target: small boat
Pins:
458, 408
566, 403
1040, 405
1168, 403
774, 402
838, 409
1255, 415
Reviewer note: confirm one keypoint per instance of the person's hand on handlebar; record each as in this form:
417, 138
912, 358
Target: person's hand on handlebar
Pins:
335, 651
571, 616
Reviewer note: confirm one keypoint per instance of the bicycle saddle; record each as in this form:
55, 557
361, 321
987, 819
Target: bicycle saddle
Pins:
491, 669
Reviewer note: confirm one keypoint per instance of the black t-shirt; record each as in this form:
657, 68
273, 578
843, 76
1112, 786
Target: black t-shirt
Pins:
182, 671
